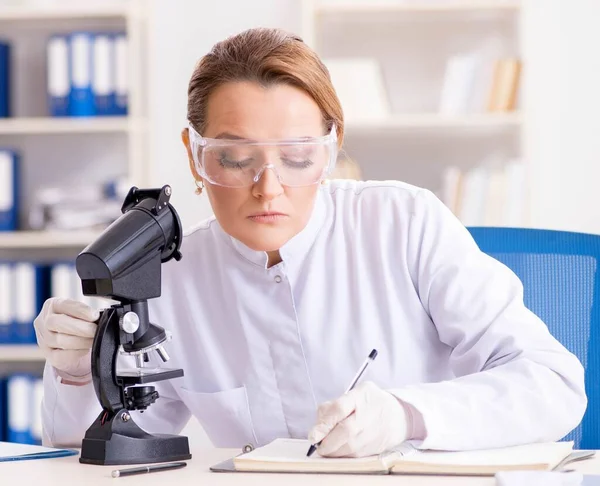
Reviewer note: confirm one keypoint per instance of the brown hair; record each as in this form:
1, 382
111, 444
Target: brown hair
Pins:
266, 56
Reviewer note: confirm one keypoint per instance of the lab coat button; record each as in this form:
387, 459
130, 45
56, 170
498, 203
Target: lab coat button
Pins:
278, 278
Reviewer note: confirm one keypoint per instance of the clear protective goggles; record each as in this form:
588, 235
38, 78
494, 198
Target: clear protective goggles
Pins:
242, 162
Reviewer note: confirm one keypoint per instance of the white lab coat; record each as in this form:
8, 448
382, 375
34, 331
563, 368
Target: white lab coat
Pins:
380, 265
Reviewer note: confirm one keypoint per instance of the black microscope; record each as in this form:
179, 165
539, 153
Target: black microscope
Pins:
124, 264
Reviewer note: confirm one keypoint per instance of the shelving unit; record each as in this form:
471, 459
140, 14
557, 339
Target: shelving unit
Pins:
411, 41
20, 353
437, 122
81, 11
416, 6
72, 150
49, 126
46, 239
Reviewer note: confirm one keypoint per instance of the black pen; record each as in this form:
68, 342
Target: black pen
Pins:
117, 473
370, 358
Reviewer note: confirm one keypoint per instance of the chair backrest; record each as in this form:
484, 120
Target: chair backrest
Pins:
559, 274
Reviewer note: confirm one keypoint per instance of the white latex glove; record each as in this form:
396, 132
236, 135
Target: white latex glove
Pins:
364, 422
65, 331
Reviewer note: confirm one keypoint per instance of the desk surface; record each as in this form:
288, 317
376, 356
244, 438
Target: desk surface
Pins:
68, 471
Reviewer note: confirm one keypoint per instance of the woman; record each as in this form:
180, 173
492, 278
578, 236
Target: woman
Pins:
285, 291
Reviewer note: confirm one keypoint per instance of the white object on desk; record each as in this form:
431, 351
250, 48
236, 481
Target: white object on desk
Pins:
11, 451
538, 478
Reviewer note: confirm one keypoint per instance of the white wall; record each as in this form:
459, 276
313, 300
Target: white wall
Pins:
561, 92
179, 34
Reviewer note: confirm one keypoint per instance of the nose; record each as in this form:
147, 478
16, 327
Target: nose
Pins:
267, 185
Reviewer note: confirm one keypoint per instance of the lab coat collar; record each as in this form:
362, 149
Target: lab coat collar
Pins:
298, 245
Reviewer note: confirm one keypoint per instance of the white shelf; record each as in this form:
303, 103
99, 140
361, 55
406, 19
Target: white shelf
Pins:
417, 7
20, 352
436, 121
46, 239
63, 12
49, 125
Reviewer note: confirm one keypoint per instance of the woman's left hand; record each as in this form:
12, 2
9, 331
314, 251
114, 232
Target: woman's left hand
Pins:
365, 421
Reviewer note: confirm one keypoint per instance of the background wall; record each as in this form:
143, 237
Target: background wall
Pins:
178, 38
562, 112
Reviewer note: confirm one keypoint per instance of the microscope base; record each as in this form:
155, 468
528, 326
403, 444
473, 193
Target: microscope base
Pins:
119, 443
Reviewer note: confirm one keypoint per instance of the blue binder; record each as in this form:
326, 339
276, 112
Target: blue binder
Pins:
81, 98
6, 303
103, 85
9, 190
2, 409
121, 62
5, 73
58, 75
18, 400
37, 396
31, 286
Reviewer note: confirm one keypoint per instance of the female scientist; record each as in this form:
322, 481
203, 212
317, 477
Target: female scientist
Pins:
283, 293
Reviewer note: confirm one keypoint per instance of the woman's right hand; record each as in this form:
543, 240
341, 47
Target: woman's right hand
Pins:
65, 330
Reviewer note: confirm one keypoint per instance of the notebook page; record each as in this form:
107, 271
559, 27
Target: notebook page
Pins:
293, 451
543, 453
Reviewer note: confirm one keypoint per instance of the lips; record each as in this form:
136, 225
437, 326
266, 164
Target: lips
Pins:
267, 217
267, 213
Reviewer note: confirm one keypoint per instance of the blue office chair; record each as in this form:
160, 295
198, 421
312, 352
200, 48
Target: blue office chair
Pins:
559, 274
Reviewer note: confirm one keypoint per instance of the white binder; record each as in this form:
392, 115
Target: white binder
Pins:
58, 85
103, 80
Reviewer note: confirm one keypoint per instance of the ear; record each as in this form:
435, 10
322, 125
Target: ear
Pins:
185, 138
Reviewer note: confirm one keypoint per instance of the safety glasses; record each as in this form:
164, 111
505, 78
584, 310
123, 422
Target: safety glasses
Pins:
241, 162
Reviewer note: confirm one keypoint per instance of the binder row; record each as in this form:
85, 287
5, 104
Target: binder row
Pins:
24, 286
9, 190
87, 74
20, 408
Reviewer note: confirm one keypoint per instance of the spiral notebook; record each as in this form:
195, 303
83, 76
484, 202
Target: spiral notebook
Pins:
10, 451
289, 455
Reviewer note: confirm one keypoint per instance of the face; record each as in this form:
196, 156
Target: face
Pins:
266, 215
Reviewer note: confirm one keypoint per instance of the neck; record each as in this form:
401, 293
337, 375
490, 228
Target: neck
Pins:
273, 258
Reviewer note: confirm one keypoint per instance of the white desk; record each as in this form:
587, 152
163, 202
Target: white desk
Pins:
68, 471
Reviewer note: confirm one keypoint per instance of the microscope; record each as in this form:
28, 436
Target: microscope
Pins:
124, 264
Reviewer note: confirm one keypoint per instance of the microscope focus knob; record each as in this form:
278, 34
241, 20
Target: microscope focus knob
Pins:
129, 322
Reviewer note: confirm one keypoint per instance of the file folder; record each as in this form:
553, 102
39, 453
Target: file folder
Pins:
18, 389
121, 48
81, 98
5, 75
103, 85
2, 409
61, 280
9, 190
6, 303
37, 396
31, 288
58, 77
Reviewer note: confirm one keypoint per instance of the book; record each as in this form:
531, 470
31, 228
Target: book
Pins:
289, 455
5, 79
458, 84
360, 86
505, 85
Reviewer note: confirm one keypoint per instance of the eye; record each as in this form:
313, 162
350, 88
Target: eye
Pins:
230, 163
300, 157
297, 164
